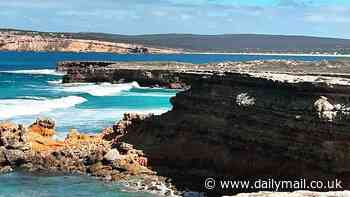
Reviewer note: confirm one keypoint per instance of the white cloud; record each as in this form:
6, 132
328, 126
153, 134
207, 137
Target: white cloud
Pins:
176, 16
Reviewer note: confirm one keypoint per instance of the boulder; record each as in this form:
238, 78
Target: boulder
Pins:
245, 100
325, 110
112, 155
5, 169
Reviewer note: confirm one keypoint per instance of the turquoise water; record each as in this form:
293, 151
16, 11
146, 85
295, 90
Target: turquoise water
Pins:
29, 87
27, 185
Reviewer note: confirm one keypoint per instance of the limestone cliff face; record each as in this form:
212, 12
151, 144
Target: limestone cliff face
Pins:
243, 123
12, 42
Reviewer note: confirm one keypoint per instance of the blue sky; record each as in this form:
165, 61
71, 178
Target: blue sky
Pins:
327, 18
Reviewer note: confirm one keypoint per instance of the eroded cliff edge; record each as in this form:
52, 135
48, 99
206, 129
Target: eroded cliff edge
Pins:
280, 119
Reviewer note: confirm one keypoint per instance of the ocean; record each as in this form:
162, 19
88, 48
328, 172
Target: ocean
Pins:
30, 87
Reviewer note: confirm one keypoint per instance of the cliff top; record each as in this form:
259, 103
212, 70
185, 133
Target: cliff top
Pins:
330, 72
338, 68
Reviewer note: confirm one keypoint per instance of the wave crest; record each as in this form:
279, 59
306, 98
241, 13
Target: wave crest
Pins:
103, 89
19, 107
35, 72
55, 82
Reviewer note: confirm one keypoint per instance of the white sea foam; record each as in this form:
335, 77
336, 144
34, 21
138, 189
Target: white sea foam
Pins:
19, 107
55, 82
103, 89
35, 72
85, 120
31, 97
95, 119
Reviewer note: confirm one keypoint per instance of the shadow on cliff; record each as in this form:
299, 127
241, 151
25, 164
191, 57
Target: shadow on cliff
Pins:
243, 129
188, 150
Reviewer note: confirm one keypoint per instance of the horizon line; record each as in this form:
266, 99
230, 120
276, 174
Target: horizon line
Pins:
194, 34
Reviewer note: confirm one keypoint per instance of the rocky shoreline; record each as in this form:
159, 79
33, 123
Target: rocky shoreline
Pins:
259, 119
32, 149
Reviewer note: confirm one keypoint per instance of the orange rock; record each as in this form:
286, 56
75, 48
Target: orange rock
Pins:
7, 126
74, 137
43, 126
42, 131
41, 143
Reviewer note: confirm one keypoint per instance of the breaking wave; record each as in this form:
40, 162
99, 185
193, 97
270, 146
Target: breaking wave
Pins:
85, 120
31, 97
35, 72
103, 89
19, 107
55, 82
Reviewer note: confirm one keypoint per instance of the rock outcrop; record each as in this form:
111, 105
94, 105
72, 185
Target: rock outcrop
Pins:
14, 147
280, 119
158, 74
43, 126
32, 149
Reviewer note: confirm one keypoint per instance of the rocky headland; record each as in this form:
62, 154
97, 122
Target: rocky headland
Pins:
259, 119
17, 41
242, 120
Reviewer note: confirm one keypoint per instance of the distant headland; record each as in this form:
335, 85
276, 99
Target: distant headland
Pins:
26, 40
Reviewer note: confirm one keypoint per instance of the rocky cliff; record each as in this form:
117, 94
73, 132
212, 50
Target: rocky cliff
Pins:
18, 42
280, 119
